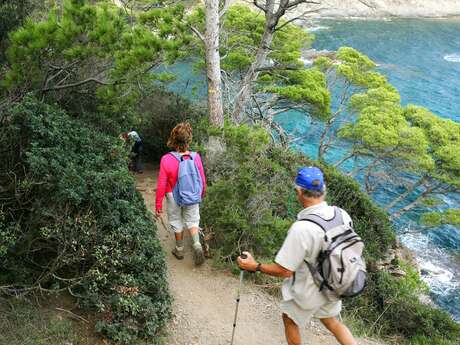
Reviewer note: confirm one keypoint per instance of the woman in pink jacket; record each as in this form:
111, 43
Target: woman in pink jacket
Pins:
186, 216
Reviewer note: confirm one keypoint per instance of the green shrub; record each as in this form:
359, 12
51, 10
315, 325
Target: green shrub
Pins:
251, 200
251, 203
73, 220
159, 114
391, 306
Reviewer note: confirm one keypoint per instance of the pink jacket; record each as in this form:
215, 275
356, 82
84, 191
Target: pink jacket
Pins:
167, 179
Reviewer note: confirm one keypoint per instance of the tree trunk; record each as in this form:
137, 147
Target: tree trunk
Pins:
215, 145
403, 196
416, 202
272, 19
322, 144
215, 108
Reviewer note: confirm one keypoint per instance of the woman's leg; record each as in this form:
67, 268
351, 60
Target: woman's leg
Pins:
178, 250
197, 247
191, 218
175, 221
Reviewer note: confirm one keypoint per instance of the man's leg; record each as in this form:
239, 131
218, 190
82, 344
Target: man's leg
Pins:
291, 330
339, 330
139, 167
138, 163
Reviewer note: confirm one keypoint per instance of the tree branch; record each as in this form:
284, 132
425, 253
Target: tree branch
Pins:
417, 200
198, 33
298, 2
344, 159
260, 7
224, 8
365, 3
404, 195
273, 125
298, 17
67, 86
277, 68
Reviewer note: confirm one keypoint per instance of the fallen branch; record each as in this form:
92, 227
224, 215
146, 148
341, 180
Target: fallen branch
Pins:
75, 316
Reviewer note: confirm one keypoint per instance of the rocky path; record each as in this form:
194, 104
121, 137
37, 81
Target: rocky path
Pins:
204, 299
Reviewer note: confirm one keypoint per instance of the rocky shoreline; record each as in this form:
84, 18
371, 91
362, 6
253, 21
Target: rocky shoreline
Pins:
383, 9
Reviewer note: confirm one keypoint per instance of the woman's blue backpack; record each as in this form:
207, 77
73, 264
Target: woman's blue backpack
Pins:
189, 186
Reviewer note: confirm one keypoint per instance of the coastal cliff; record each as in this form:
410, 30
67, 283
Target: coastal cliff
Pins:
390, 8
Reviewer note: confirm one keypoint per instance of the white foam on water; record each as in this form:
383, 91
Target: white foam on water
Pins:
306, 62
436, 264
441, 274
452, 57
317, 28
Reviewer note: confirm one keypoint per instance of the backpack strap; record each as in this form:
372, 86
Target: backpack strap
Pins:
325, 224
180, 157
316, 273
176, 155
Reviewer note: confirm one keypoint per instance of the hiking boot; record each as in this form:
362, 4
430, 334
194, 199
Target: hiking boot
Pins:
179, 254
199, 254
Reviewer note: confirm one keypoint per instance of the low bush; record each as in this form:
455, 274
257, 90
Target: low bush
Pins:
71, 219
251, 203
159, 114
254, 187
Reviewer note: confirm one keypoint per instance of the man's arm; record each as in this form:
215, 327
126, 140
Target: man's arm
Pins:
275, 270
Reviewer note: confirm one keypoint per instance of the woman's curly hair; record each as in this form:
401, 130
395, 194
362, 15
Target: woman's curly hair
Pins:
180, 137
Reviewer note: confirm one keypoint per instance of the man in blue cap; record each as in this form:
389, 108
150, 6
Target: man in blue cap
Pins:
302, 299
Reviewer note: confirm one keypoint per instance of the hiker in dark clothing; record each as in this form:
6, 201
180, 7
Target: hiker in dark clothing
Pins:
136, 151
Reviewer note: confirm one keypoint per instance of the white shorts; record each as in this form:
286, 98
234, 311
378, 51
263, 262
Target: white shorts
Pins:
182, 216
302, 316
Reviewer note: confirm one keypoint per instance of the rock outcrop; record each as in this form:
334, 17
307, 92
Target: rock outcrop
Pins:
389, 8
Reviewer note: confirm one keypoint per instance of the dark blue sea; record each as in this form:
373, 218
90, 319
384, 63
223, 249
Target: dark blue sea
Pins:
421, 58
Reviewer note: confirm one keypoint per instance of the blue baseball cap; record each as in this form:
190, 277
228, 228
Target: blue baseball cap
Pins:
310, 178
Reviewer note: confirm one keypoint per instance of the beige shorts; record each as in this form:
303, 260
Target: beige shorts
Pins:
302, 316
181, 217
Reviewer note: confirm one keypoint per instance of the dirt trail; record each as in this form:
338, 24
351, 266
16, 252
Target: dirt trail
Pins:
204, 299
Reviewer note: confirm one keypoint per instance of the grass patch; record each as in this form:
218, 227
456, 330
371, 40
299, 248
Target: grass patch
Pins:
24, 322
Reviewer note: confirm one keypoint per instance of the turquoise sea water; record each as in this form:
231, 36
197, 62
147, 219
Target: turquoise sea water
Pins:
422, 59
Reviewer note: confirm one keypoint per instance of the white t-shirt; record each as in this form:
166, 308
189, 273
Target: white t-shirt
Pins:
304, 242
134, 135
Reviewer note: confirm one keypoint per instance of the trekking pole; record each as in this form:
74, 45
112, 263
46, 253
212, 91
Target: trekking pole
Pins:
243, 256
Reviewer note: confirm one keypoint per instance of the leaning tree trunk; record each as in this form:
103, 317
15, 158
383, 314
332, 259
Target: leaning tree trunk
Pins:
215, 106
261, 57
404, 195
252, 74
272, 19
